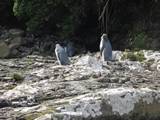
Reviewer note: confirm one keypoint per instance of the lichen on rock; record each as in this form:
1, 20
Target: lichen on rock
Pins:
119, 89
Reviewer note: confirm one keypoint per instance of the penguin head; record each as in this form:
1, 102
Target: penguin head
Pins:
58, 45
104, 36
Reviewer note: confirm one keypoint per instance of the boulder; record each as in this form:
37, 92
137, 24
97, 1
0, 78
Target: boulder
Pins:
117, 55
4, 103
120, 103
16, 32
4, 50
91, 62
10, 41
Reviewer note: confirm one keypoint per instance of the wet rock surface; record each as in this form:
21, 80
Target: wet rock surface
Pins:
78, 91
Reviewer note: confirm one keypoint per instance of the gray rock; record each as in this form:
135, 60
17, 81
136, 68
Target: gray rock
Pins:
4, 50
16, 32
117, 55
152, 55
4, 103
90, 62
106, 103
83, 89
45, 117
10, 42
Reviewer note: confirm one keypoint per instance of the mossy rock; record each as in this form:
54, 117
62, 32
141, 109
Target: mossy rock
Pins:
16, 32
17, 77
4, 50
15, 42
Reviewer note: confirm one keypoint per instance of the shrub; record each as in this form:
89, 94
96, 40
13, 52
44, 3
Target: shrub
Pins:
61, 16
138, 37
140, 40
134, 56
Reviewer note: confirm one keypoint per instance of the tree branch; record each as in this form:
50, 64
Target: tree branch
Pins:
102, 14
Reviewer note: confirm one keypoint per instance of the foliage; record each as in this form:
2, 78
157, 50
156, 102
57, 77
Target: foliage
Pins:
138, 36
133, 55
138, 40
79, 19
61, 16
31, 11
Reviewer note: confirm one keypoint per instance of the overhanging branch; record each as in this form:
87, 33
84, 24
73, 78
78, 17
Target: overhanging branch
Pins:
104, 8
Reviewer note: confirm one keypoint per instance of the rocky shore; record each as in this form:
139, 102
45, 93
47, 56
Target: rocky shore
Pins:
37, 88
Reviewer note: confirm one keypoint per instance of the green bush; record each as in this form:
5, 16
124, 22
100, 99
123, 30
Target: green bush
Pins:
140, 40
33, 12
61, 16
138, 37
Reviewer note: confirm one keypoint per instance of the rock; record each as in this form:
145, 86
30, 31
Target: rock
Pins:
8, 51
45, 117
113, 102
15, 42
152, 55
88, 88
117, 55
16, 32
134, 65
10, 42
4, 103
4, 50
91, 62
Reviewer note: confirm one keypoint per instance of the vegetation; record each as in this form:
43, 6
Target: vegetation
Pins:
133, 55
57, 15
138, 40
80, 20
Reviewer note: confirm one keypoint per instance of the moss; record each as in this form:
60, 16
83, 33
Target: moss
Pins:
17, 77
133, 56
